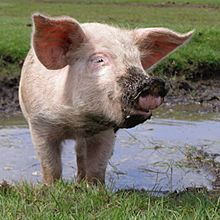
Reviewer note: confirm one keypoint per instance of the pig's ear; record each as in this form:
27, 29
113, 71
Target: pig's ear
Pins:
156, 43
55, 40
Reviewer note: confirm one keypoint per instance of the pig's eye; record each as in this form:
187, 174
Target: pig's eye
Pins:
100, 60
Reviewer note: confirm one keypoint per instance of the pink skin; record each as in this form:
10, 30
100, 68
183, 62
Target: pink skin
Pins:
148, 103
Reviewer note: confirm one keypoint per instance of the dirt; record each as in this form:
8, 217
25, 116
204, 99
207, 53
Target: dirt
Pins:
203, 92
4, 186
200, 159
192, 71
9, 95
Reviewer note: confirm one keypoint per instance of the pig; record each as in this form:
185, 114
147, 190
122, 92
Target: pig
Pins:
86, 81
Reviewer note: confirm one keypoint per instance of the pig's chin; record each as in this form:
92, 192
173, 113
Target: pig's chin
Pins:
135, 119
142, 112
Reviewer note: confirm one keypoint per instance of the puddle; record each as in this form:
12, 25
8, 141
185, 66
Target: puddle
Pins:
152, 156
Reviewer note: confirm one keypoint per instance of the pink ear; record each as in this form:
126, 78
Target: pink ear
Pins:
54, 40
156, 43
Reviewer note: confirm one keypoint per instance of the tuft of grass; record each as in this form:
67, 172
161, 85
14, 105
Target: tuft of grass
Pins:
69, 201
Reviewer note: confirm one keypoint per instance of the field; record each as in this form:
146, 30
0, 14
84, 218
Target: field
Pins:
203, 16
200, 58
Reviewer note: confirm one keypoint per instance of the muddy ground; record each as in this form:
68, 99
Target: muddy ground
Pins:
203, 92
9, 95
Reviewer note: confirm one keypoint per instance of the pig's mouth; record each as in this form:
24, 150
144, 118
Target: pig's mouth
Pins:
146, 102
142, 110
140, 95
138, 108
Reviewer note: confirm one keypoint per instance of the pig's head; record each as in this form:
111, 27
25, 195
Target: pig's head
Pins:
107, 81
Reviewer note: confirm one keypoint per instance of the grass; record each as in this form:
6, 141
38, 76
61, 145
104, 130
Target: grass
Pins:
15, 20
68, 201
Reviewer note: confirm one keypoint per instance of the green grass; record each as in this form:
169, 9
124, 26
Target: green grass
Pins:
68, 201
15, 17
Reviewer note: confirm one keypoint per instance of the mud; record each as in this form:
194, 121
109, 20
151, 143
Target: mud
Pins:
203, 92
192, 71
9, 95
200, 159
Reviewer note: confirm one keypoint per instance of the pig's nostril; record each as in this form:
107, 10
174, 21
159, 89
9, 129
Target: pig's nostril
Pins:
163, 90
156, 87
144, 93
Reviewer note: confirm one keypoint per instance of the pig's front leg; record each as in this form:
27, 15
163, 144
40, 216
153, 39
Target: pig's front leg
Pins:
49, 152
92, 159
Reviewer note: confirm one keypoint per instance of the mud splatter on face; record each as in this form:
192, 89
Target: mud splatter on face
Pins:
133, 85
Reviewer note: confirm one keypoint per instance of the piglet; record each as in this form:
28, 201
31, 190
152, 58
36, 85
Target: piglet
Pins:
86, 81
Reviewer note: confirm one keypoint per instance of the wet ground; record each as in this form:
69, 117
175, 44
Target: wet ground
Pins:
177, 148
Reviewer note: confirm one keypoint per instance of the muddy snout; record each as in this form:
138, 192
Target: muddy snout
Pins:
140, 95
155, 87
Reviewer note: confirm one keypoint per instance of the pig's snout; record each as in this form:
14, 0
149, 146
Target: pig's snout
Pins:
154, 86
140, 95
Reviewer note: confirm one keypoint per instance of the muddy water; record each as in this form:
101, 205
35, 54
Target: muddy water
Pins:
167, 153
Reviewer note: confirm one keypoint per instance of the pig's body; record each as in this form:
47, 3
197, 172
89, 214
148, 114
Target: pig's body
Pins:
83, 82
